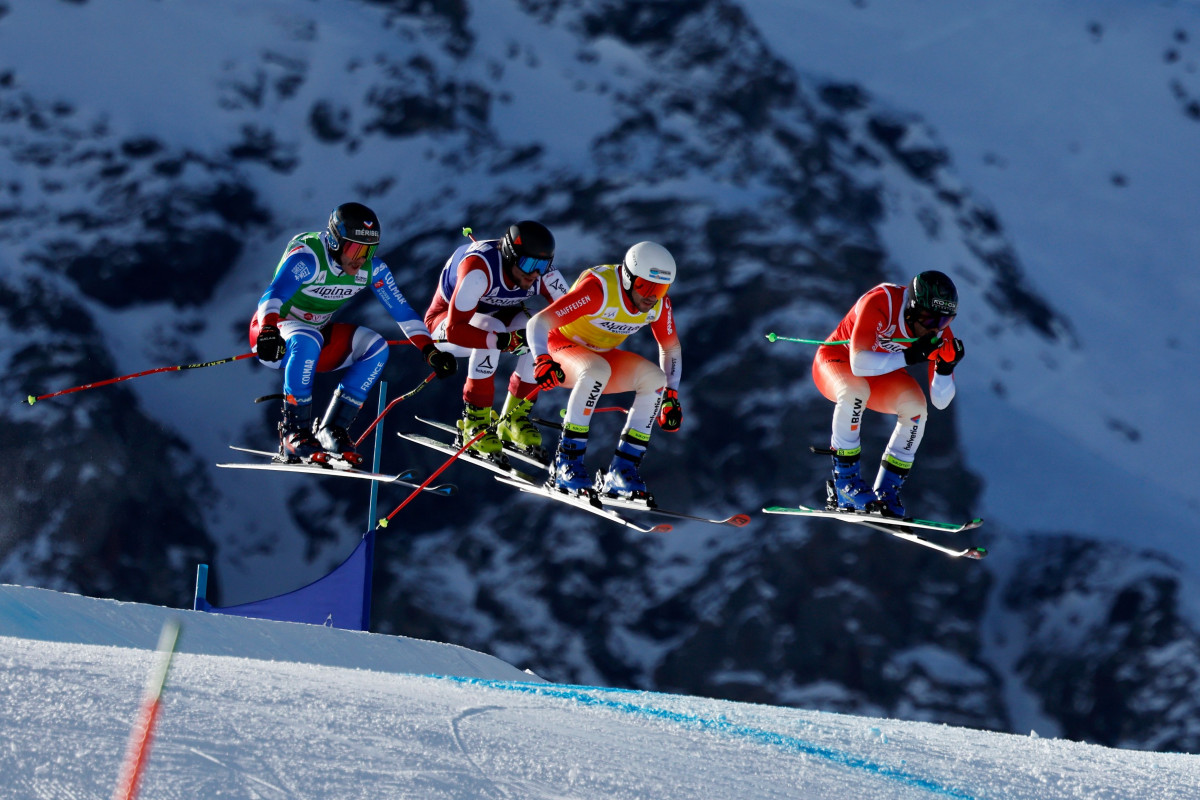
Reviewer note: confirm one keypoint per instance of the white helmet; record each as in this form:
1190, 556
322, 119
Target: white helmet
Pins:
648, 268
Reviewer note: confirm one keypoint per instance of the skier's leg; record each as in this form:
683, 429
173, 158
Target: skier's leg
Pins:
898, 393
296, 440
632, 372
850, 394
515, 426
587, 374
362, 353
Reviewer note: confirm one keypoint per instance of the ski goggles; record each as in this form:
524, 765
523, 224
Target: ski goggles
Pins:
935, 322
351, 251
650, 289
533, 266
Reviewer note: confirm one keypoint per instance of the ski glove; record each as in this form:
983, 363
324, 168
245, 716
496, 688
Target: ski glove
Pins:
949, 354
547, 372
444, 365
922, 349
270, 344
670, 416
512, 342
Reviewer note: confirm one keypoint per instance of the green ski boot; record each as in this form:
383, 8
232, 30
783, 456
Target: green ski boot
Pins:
474, 419
517, 429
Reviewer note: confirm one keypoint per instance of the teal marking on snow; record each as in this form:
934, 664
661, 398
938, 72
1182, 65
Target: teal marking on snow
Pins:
587, 695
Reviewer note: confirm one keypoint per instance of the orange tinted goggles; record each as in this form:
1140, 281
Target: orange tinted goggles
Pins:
650, 289
355, 250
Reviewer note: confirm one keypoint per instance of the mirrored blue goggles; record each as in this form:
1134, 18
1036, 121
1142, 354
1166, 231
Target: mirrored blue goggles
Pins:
533, 266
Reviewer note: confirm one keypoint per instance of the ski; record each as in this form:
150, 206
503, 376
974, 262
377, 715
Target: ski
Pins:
629, 504
507, 474
588, 502
900, 528
406, 478
537, 459
501, 467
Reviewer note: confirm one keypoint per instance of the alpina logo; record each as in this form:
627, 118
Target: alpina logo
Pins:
331, 292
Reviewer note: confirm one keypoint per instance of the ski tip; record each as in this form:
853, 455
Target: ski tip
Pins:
407, 475
662, 528
445, 490
976, 553
738, 520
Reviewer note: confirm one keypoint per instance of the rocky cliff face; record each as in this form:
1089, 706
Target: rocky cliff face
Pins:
611, 122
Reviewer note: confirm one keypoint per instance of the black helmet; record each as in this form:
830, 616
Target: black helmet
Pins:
527, 247
932, 299
353, 232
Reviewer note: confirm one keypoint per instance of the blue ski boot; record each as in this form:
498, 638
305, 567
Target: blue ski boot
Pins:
296, 441
887, 502
568, 472
851, 492
623, 478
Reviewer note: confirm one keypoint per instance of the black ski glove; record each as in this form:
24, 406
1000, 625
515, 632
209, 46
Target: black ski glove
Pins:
945, 365
444, 365
921, 349
270, 345
512, 342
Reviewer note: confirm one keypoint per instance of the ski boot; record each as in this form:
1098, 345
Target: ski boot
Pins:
887, 501
516, 429
332, 433
848, 490
623, 479
474, 419
296, 441
568, 473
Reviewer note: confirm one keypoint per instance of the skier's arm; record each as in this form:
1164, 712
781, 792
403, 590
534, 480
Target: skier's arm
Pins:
867, 356
385, 288
669, 349
941, 370
554, 286
584, 299
472, 282
299, 267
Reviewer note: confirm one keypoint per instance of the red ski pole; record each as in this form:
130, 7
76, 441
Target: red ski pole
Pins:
482, 432
137, 752
378, 419
32, 399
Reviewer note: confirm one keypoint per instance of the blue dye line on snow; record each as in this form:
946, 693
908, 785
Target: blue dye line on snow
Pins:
586, 695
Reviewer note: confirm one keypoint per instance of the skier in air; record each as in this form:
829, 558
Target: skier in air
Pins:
292, 328
575, 342
870, 373
478, 312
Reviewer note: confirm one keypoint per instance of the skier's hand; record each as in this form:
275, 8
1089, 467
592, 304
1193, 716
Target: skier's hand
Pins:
444, 365
512, 342
948, 355
670, 416
270, 345
922, 349
547, 372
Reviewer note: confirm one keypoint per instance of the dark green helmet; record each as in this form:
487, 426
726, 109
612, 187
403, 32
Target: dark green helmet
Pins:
932, 299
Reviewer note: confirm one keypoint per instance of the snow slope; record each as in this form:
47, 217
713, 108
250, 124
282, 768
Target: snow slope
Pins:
266, 710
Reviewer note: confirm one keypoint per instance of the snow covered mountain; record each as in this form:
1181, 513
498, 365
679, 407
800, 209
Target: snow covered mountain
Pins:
791, 155
268, 709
